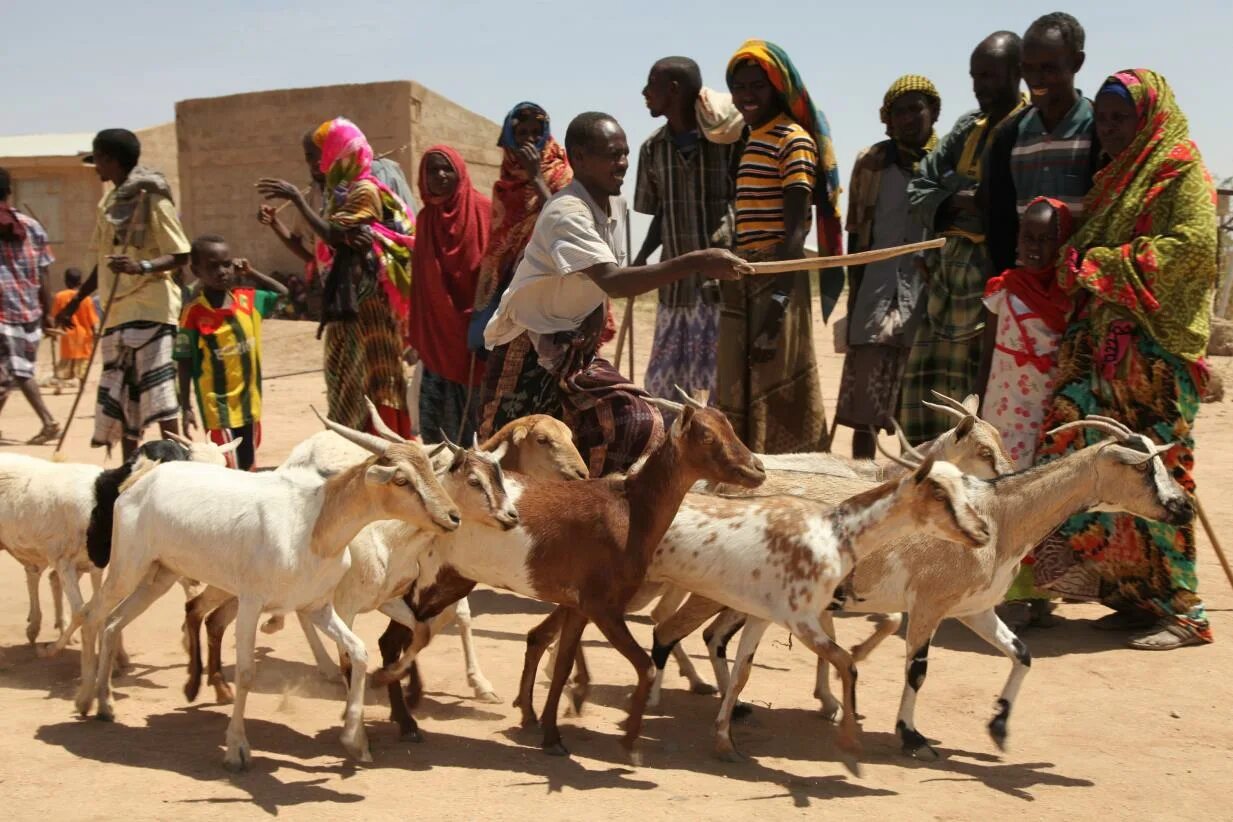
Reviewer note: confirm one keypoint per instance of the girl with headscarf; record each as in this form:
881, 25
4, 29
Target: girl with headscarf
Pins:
450, 240
1142, 269
533, 169
767, 378
883, 297
365, 240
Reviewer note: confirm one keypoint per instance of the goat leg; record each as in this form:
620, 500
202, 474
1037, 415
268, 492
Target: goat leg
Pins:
920, 634
34, 619
392, 643
817, 641
573, 623
724, 747
538, 639
989, 627
614, 629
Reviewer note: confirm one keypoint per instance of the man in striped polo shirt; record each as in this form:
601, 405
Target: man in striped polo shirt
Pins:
1050, 149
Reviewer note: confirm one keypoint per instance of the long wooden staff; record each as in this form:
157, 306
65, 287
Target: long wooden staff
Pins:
627, 321
138, 214
862, 258
1211, 535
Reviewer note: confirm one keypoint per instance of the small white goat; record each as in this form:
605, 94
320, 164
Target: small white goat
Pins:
45, 510
276, 540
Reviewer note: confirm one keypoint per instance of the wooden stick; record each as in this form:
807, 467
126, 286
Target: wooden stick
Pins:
862, 258
624, 329
303, 192
138, 213
1211, 535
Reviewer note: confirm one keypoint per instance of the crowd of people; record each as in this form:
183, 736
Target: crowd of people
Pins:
1075, 279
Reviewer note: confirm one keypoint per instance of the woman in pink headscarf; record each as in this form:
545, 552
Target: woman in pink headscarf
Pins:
453, 233
365, 241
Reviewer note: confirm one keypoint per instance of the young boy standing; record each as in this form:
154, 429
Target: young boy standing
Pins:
78, 339
218, 348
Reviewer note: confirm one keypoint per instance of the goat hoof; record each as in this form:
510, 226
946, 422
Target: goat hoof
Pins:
223, 695
411, 735
530, 721
922, 753
703, 688
731, 755
555, 749
237, 761
380, 678
741, 710
45, 651
32, 633
489, 697
997, 731
829, 714
851, 762
105, 715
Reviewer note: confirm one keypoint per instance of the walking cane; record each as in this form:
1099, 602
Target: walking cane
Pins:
466, 407
1211, 535
138, 213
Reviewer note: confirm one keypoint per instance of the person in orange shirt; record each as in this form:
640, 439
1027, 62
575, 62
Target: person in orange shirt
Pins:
78, 338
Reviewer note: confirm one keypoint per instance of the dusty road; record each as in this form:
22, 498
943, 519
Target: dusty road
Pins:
1099, 731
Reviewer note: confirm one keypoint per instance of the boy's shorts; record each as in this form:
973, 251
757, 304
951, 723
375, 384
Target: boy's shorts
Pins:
244, 457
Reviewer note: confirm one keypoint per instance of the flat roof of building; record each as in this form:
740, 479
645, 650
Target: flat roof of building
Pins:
46, 145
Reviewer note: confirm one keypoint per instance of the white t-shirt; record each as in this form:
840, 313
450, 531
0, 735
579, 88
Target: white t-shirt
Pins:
549, 293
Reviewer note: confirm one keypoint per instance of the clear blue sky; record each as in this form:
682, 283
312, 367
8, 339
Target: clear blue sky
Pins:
81, 66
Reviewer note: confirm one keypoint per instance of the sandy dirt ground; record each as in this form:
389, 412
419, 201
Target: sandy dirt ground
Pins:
1099, 730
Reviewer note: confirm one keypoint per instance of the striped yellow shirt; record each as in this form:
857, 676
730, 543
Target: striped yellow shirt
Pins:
224, 346
778, 156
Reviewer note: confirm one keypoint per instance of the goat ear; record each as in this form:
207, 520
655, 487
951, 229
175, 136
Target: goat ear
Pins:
231, 446
972, 403
519, 434
501, 450
687, 417
380, 474
964, 428
922, 471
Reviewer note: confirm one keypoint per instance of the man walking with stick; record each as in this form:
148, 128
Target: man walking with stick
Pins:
138, 244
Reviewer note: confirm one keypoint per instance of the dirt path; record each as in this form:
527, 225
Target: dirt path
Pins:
1098, 732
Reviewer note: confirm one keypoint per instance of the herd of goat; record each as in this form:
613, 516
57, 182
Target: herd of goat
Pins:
354, 522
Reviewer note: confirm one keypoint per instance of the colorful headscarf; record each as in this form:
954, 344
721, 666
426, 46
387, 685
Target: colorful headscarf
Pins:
516, 204
1039, 289
346, 160
1147, 249
909, 157
512, 119
797, 104
453, 232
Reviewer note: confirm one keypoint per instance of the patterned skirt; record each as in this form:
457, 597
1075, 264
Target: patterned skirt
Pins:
446, 407
363, 357
1129, 564
684, 351
138, 383
869, 386
775, 407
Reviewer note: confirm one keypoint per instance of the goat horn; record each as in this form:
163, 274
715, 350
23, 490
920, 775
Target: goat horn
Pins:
436, 449
878, 442
379, 425
1126, 432
666, 405
363, 439
688, 399
952, 402
908, 448
946, 409
180, 438
1100, 425
449, 443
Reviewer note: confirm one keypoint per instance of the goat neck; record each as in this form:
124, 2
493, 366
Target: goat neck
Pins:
345, 509
1031, 504
655, 493
868, 520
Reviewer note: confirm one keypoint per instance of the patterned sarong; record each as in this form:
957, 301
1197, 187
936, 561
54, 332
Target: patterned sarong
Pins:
363, 357
138, 383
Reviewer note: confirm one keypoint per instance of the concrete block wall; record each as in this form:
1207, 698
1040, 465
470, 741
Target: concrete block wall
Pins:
72, 194
436, 119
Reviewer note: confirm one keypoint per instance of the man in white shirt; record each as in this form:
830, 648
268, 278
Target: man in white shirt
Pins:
544, 335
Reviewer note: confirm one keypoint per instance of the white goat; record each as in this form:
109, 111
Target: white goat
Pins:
276, 540
45, 510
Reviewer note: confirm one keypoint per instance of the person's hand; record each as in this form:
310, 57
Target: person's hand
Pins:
275, 189
242, 266
188, 421
123, 264
720, 264
360, 238
267, 215
528, 155
767, 340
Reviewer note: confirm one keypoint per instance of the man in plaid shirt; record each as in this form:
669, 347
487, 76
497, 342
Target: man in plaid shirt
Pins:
24, 261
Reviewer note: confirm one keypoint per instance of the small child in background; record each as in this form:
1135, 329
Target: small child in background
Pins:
77, 340
1029, 312
219, 348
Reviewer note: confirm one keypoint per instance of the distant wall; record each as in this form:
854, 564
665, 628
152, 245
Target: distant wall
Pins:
63, 194
158, 151
226, 144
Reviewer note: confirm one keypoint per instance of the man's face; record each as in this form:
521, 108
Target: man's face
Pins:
312, 158
657, 93
107, 167
214, 267
440, 176
1049, 69
602, 165
995, 82
911, 119
753, 95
